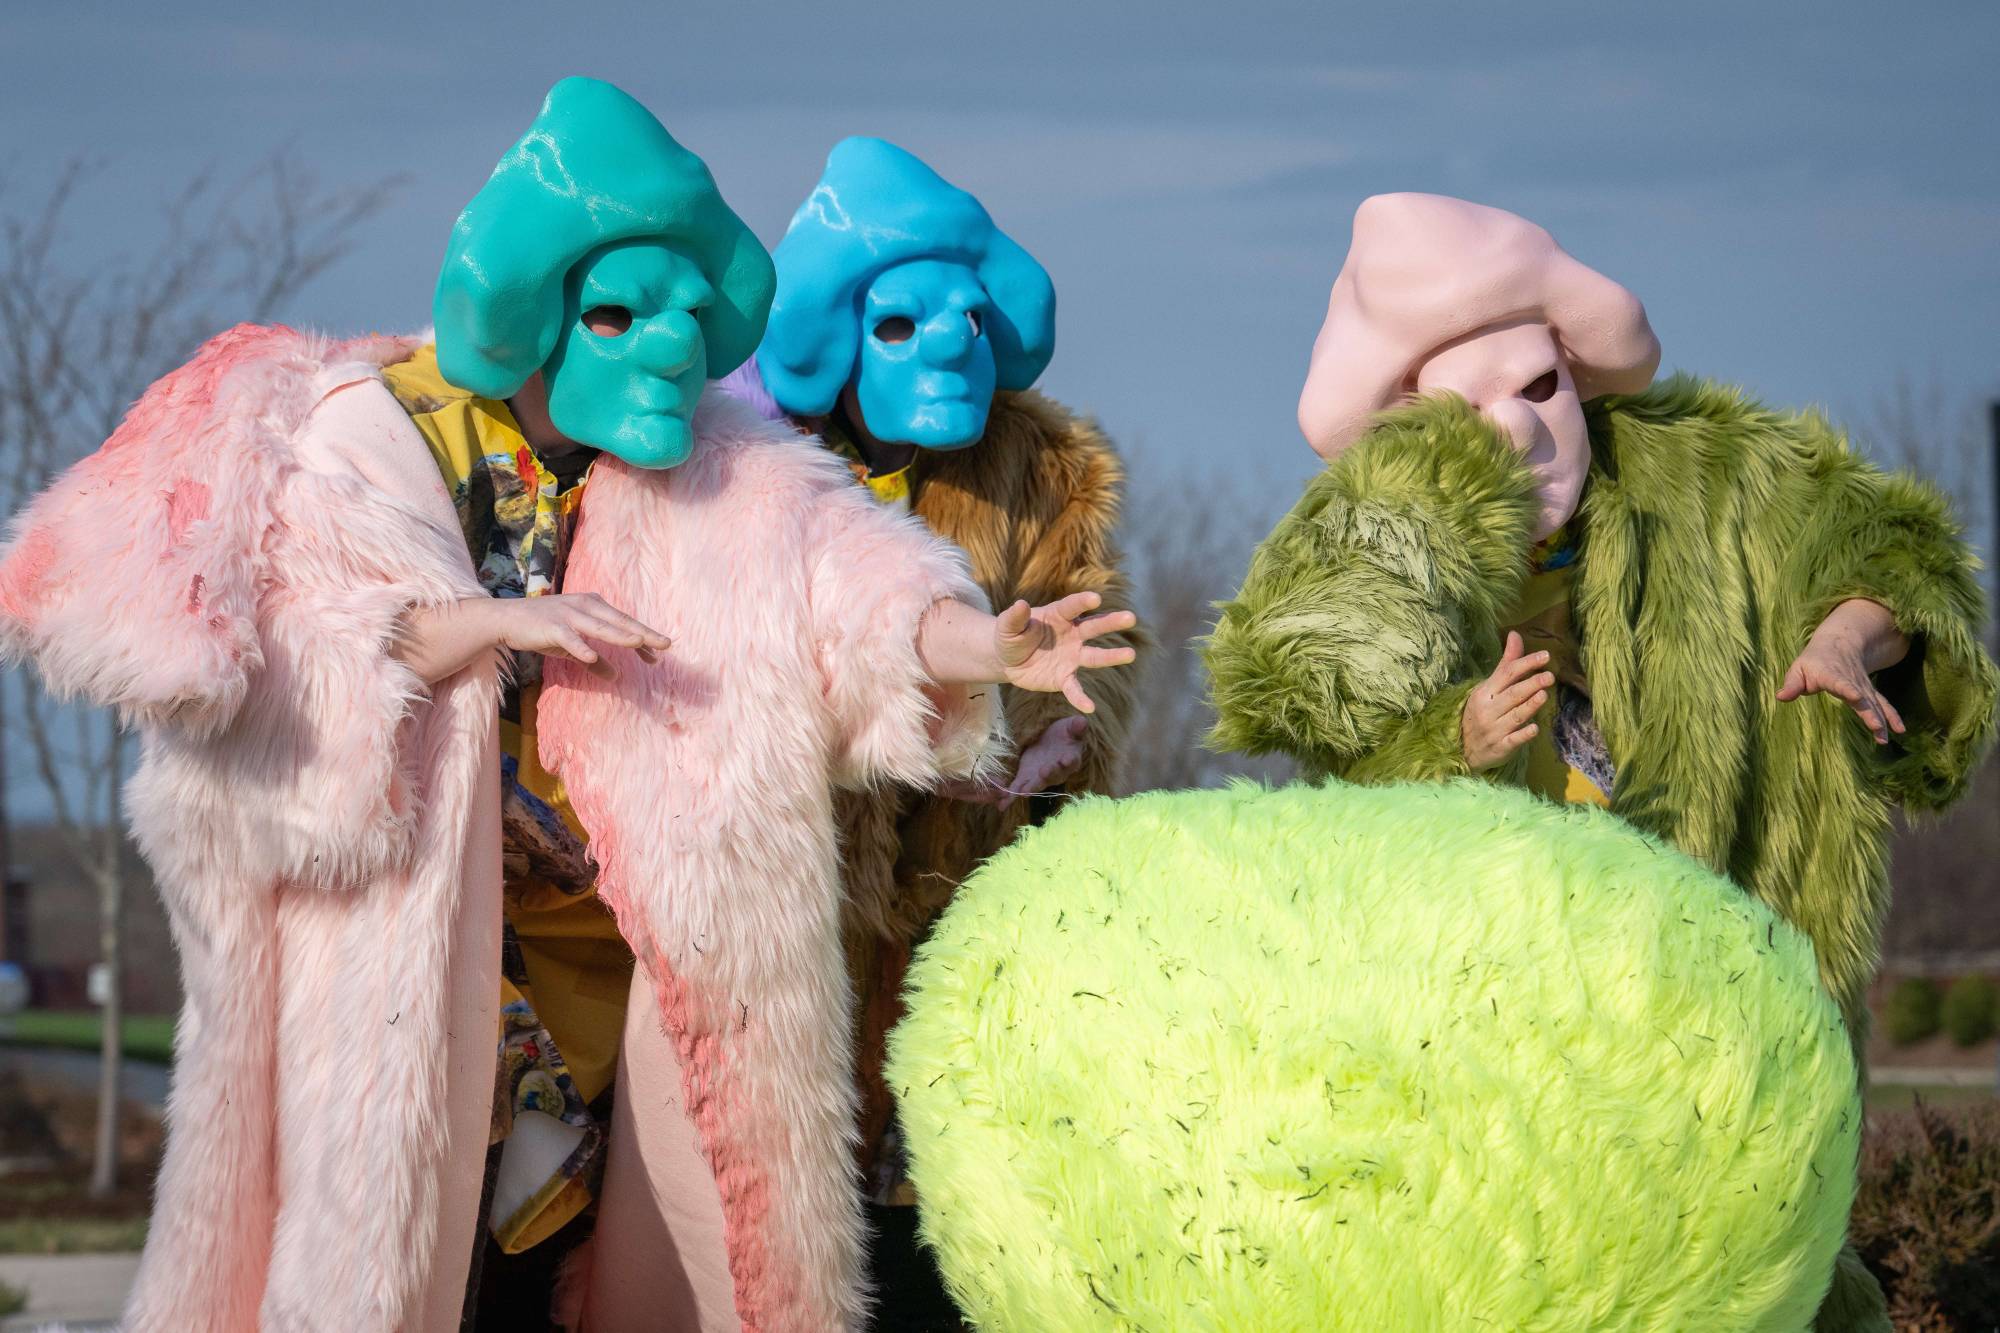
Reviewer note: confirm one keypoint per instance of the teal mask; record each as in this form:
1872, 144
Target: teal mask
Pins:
597, 209
631, 392
897, 282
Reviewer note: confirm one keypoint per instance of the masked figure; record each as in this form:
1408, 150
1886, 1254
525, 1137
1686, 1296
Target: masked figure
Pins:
1709, 616
296, 568
906, 331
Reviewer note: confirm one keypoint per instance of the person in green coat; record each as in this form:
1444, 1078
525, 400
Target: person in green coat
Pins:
1524, 563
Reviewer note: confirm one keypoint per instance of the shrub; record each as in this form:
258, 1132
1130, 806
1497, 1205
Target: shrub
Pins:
1913, 1012
1927, 1217
1967, 1012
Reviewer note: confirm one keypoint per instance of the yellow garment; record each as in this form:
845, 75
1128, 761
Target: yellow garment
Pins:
1541, 617
889, 488
578, 967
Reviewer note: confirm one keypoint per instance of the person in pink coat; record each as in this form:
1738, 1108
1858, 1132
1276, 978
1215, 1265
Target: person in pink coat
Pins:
265, 573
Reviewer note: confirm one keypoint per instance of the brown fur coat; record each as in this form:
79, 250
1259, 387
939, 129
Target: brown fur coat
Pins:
1033, 504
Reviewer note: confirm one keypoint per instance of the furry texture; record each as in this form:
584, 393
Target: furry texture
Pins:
233, 590
1715, 535
707, 780
1255, 1059
1034, 505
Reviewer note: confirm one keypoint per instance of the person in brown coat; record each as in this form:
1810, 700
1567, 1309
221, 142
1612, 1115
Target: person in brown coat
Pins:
905, 333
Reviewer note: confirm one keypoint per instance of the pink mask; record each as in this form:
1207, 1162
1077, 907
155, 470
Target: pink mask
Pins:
1519, 379
1439, 294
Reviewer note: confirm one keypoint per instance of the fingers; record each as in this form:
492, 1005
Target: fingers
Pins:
1076, 604
1078, 700
1520, 736
1889, 711
1014, 620
569, 643
1534, 686
1094, 658
614, 626
1869, 710
1511, 650
1794, 684
1071, 729
1515, 668
1113, 623
1524, 711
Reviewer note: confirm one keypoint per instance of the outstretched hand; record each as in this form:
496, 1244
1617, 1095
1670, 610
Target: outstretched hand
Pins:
1499, 716
1856, 638
575, 625
1043, 648
436, 642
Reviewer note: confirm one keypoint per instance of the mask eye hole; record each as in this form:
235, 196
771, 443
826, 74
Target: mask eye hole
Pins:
978, 325
608, 321
1541, 388
895, 329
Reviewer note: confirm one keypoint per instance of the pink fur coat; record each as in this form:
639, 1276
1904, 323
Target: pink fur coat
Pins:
228, 572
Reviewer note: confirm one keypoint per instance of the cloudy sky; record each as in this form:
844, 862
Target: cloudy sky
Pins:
1808, 205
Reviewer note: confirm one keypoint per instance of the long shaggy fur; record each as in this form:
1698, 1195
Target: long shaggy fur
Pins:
707, 781
1421, 1057
304, 802
1715, 536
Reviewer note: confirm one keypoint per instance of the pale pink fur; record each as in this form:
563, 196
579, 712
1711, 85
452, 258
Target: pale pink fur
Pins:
706, 782
311, 811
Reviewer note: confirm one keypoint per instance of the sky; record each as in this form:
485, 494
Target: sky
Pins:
1807, 198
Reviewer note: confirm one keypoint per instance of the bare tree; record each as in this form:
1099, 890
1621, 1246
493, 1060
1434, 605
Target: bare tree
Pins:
81, 339
1944, 438
1189, 543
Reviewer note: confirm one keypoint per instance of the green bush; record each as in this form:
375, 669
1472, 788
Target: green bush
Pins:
1968, 1008
1927, 1217
1913, 1012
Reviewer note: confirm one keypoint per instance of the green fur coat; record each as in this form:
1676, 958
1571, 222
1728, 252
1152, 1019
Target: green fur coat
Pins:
1714, 537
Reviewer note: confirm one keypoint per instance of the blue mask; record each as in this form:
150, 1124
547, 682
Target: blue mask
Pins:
926, 370
597, 206
883, 238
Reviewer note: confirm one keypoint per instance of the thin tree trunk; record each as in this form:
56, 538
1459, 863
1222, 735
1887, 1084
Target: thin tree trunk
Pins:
111, 948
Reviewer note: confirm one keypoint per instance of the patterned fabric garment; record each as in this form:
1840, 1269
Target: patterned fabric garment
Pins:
1567, 759
564, 968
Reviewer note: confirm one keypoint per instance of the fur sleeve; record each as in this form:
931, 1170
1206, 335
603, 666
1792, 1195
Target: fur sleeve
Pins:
228, 572
1375, 596
872, 576
132, 581
1066, 535
1892, 539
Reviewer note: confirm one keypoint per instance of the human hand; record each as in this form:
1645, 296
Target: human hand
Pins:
1042, 648
573, 625
1049, 760
1499, 716
439, 641
1856, 638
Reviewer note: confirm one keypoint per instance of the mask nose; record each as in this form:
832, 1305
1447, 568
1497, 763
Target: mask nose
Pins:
670, 344
1518, 422
946, 342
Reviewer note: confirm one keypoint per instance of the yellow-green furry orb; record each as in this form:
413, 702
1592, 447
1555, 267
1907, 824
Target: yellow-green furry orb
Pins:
1423, 1057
